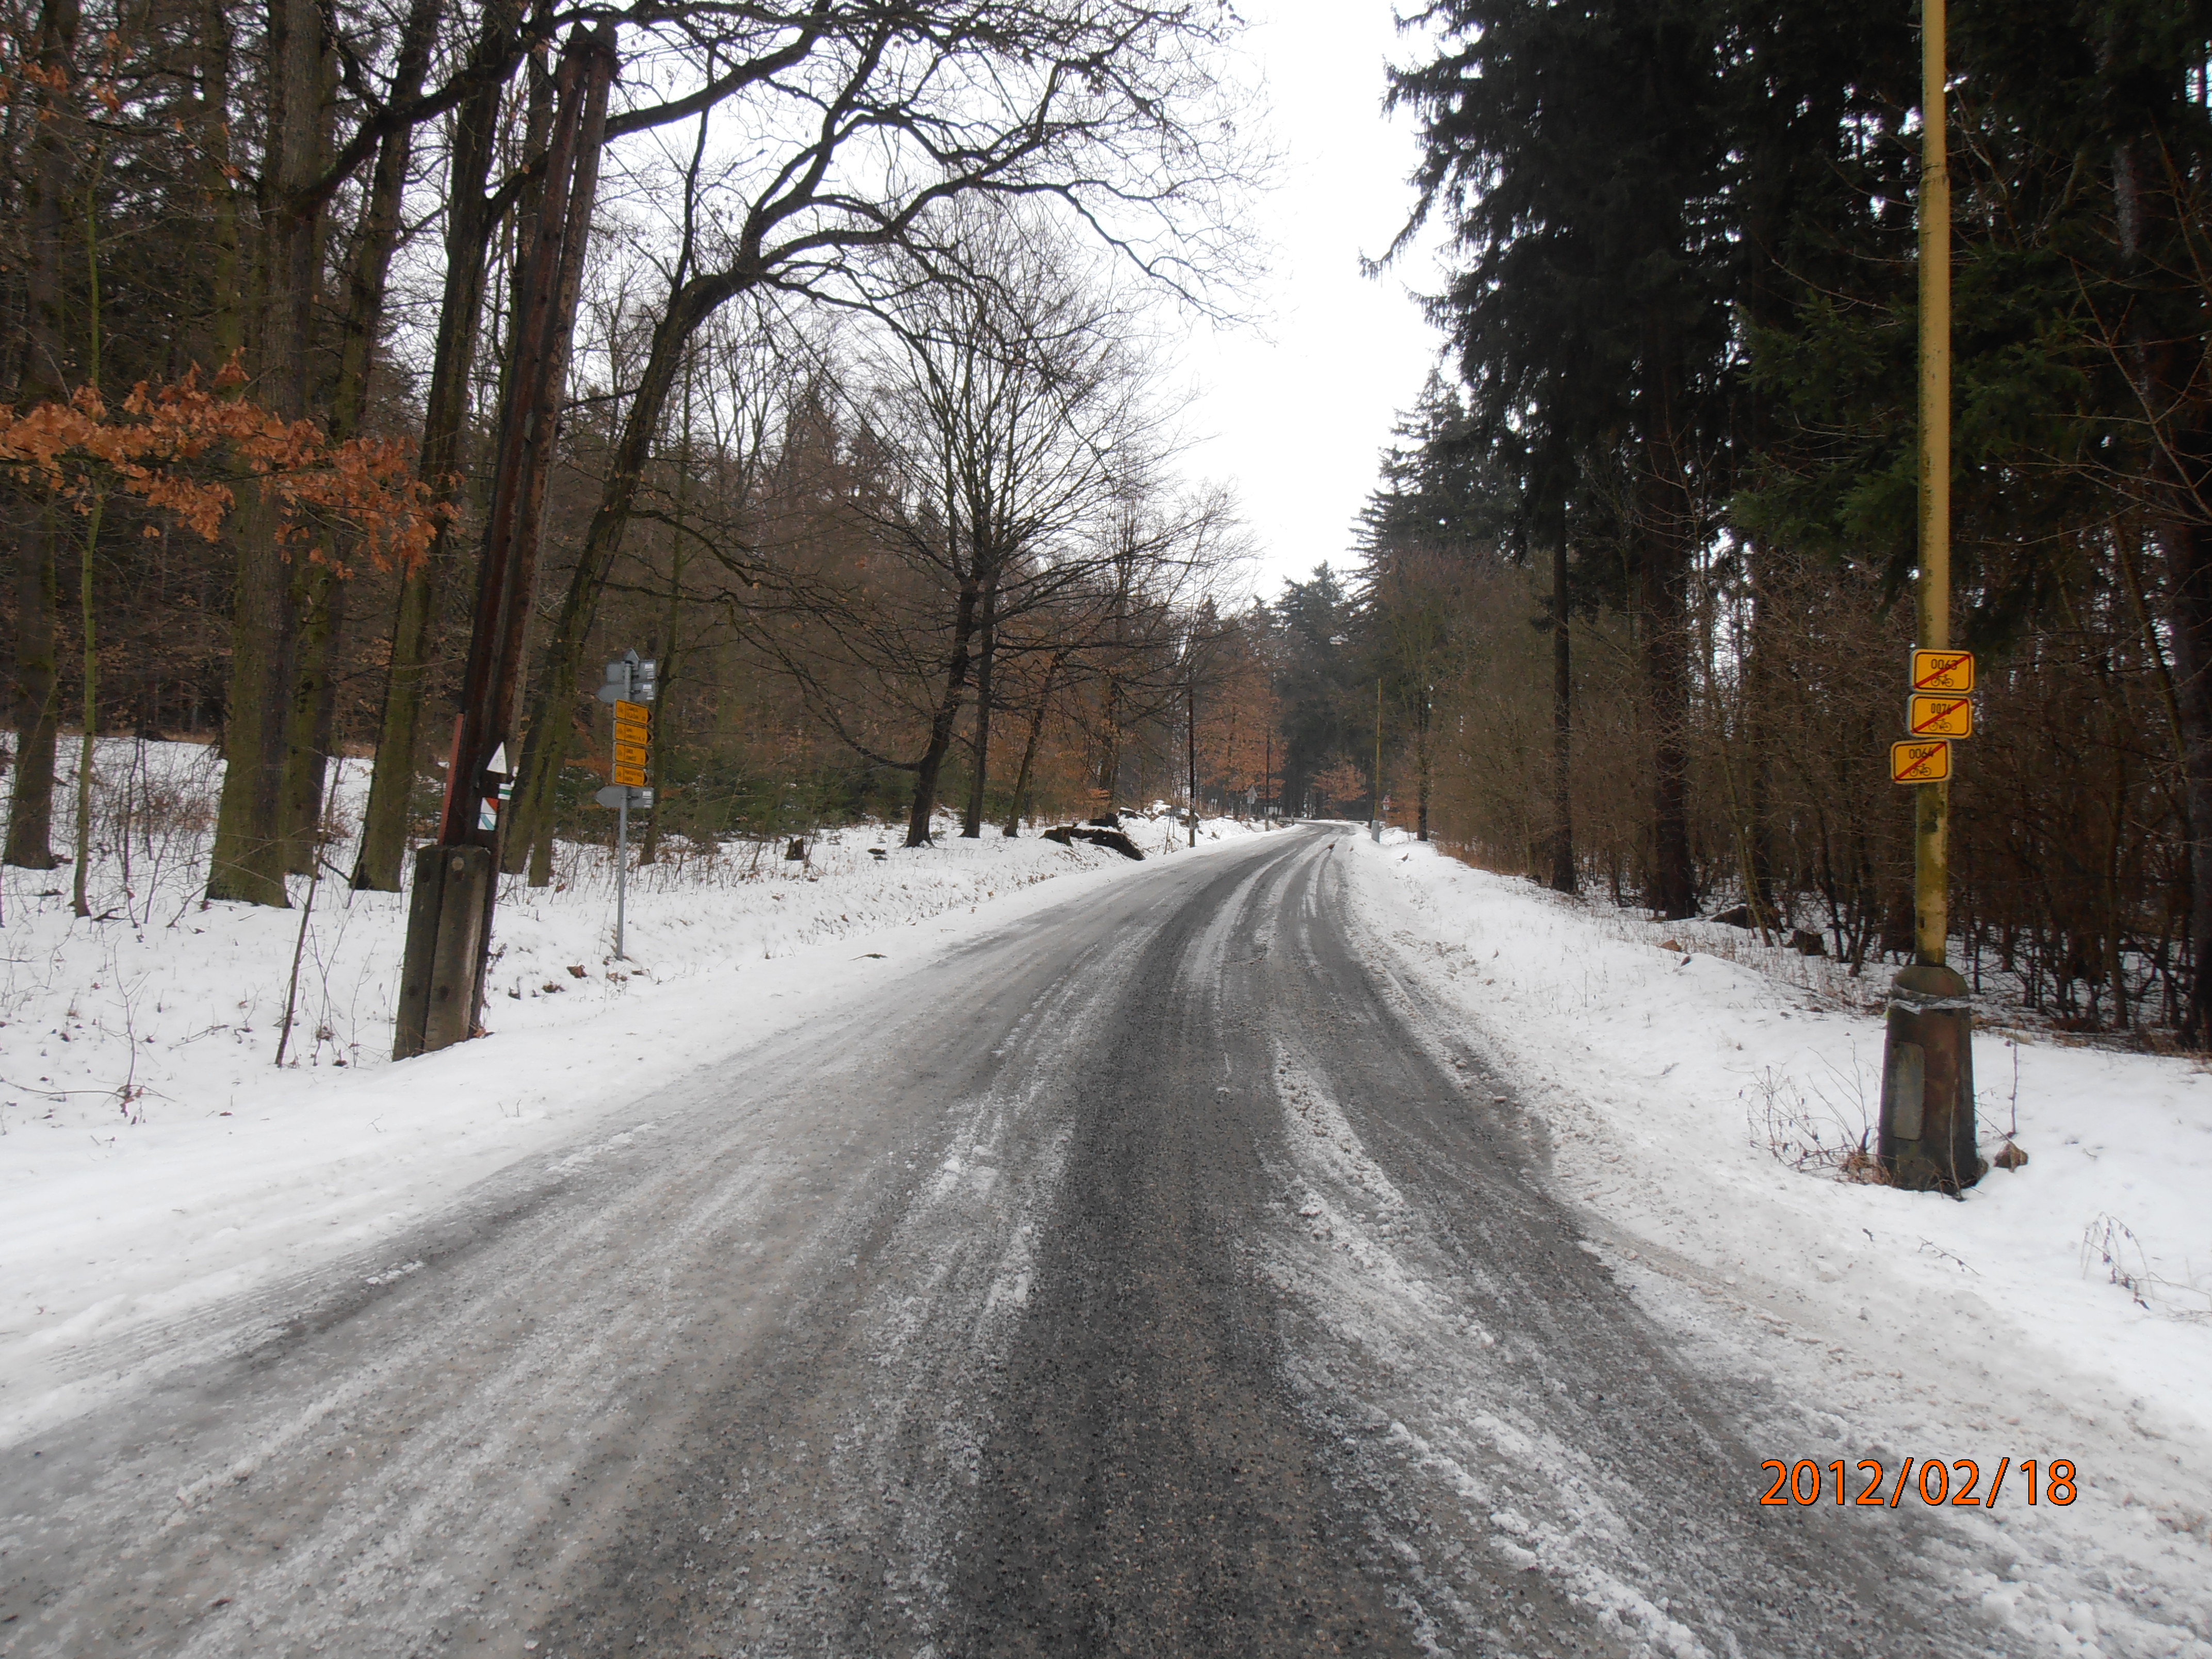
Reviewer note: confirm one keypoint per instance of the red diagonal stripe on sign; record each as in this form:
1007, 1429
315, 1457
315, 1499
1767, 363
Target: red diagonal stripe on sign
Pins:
1923, 763
1942, 712
1943, 666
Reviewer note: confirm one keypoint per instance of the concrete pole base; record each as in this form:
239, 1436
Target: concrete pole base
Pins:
444, 949
1927, 1134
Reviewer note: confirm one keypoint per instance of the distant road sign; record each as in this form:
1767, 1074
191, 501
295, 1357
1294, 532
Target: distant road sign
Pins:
615, 794
1920, 760
1944, 671
633, 714
1938, 716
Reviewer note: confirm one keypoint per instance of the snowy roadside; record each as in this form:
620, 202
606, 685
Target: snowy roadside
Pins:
2062, 1312
155, 1160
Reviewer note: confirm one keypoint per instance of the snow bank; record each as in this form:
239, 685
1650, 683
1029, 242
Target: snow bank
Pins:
1685, 1088
1695, 1105
154, 1158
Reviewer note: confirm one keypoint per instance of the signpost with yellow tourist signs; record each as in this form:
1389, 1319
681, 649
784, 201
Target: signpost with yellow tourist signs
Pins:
632, 741
632, 683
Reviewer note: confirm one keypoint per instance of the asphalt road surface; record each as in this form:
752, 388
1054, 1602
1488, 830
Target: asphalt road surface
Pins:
1152, 1276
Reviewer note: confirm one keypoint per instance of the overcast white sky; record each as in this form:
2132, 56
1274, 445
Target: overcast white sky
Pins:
1294, 414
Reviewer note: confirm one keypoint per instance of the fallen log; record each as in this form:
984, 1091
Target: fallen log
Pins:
1068, 833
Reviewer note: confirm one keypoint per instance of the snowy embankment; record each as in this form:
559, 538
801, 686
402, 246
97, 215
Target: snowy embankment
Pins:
1697, 1100
154, 1159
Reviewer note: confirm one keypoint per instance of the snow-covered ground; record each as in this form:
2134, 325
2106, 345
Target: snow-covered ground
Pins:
154, 1158
1694, 1097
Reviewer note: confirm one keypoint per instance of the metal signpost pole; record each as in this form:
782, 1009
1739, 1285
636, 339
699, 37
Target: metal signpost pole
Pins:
622, 868
631, 685
1926, 1130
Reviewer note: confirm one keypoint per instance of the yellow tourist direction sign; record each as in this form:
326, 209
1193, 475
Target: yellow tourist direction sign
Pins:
1920, 760
1944, 671
1939, 716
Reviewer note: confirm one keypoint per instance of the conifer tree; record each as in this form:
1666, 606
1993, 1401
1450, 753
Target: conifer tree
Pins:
1574, 152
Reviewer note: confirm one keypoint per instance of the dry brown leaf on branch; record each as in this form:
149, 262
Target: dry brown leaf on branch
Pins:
148, 448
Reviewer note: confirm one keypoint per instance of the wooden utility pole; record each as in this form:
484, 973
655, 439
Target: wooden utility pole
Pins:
1927, 1130
449, 916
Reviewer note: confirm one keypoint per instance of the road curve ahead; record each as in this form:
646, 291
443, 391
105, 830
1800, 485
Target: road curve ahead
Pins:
1152, 1276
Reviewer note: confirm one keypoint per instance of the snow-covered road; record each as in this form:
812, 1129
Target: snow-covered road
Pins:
1155, 1273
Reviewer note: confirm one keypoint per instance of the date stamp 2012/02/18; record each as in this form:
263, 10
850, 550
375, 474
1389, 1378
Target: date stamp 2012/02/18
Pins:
1957, 1482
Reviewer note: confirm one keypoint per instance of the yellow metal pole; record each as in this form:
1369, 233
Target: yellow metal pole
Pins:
1928, 1137
1932, 810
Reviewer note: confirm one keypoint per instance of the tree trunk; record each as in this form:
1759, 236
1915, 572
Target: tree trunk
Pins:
648, 849
38, 596
319, 586
1563, 878
1663, 575
1758, 726
1109, 759
986, 650
678, 546
41, 377
2187, 549
469, 230
248, 860
546, 744
215, 179
1030, 747
1424, 719
2167, 373
948, 713
549, 278
318, 603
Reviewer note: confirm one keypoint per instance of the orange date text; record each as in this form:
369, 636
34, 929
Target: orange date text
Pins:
1933, 1481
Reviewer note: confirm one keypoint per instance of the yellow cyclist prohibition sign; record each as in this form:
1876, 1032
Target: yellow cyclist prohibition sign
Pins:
1942, 671
1920, 760
1939, 716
